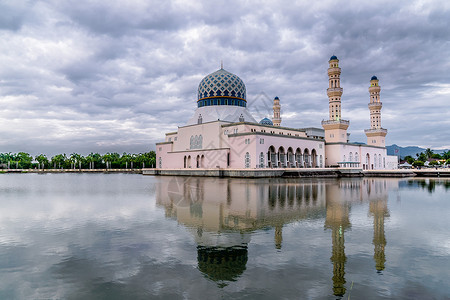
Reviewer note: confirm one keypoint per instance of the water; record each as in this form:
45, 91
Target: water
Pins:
123, 236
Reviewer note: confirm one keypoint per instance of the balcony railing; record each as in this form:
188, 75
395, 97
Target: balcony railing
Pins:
334, 90
375, 130
331, 122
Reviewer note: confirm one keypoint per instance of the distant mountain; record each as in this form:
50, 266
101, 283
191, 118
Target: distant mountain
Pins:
410, 150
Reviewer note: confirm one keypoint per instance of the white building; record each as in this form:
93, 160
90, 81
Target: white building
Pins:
222, 133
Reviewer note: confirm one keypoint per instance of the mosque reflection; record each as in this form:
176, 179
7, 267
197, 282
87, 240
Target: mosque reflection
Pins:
223, 213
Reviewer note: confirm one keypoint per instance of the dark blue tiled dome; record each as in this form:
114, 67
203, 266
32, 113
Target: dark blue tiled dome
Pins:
221, 88
333, 57
266, 121
374, 78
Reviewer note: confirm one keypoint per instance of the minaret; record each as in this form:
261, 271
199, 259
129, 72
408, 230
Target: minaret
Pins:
376, 134
335, 127
276, 112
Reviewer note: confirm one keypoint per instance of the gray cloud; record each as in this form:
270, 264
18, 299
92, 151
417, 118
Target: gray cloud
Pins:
84, 77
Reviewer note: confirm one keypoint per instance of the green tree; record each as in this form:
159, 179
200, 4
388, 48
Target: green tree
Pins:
446, 155
58, 160
436, 155
428, 153
42, 160
434, 163
422, 157
418, 163
24, 160
409, 159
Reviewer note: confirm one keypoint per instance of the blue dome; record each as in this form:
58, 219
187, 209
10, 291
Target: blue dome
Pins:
374, 78
276, 98
266, 121
221, 88
333, 57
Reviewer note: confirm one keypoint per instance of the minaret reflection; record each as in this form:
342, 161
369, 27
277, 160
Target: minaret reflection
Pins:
379, 210
338, 221
222, 213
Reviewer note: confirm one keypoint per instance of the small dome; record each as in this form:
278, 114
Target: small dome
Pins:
276, 98
333, 57
221, 88
266, 121
374, 78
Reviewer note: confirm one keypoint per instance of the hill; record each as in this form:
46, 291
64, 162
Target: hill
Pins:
409, 150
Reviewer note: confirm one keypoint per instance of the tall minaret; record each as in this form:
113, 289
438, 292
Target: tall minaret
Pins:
376, 134
335, 127
276, 112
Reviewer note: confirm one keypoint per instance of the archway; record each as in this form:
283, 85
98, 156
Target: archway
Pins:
272, 157
202, 161
185, 158
298, 158
282, 157
306, 158
314, 158
198, 161
367, 161
290, 158
189, 161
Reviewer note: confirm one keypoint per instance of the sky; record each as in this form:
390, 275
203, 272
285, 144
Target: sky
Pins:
114, 76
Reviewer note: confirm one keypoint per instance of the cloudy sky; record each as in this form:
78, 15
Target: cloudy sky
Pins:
82, 76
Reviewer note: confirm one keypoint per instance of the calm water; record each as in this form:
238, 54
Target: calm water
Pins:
122, 236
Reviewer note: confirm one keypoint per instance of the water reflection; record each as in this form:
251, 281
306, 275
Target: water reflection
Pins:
429, 184
222, 214
222, 218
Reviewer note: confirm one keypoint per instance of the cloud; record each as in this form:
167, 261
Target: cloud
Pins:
87, 74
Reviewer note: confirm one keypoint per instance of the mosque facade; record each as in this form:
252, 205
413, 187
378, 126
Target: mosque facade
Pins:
222, 133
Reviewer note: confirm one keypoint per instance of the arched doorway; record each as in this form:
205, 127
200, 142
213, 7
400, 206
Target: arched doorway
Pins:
198, 161
314, 158
185, 158
298, 158
290, 158
281, 157
189, 161
272, 157
202, 161
306, 158
367, 161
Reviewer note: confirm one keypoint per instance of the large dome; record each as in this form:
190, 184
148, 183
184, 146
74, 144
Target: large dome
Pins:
221, 88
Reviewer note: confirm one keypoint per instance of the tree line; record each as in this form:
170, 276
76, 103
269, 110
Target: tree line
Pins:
436, 158
22, 160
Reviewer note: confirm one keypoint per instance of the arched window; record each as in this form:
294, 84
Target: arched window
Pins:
247, 160
321, 161
379, 160
200, 142
344, 158
160, 162
261, 160
350, 157
356, 157
200, 119
192, 143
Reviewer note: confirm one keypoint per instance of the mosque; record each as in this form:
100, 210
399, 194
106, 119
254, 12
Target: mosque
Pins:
222, 133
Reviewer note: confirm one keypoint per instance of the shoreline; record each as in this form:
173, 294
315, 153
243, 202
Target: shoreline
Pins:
44, 171
253, 173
